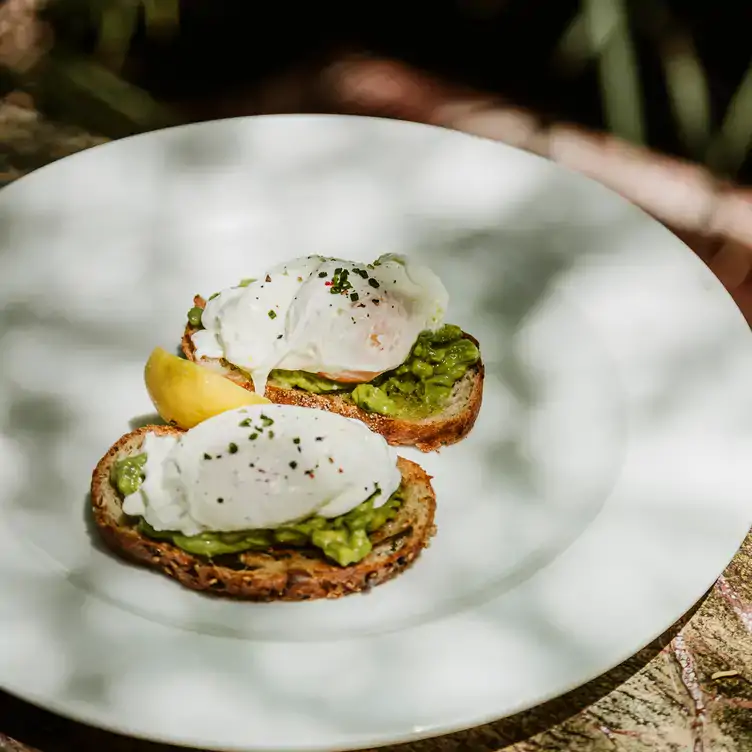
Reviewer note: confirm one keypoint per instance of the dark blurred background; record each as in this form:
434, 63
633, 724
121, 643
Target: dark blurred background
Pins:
673, 74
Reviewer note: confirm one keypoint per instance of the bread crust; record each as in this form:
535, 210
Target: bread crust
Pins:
427, 435
283, 574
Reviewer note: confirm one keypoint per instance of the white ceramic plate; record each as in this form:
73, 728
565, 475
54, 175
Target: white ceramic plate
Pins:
605, 486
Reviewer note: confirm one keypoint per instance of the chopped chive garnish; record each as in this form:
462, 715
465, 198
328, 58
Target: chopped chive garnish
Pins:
272, 315
374, 283
233, 448
293, 464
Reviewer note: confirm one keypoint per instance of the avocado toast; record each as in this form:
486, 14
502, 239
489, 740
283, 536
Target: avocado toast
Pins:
427, 430
268, 569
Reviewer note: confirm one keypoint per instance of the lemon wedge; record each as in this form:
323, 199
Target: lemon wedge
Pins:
185, 393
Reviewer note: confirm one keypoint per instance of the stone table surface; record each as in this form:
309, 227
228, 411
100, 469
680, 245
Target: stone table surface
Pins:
690, 691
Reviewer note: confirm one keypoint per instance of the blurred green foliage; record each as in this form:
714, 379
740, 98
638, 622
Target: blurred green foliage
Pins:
602, 31
602, 34
84, 71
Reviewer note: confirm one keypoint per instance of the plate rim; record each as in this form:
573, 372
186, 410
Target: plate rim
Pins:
95, 718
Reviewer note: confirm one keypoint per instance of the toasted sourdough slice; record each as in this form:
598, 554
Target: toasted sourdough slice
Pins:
451, 425
286, 574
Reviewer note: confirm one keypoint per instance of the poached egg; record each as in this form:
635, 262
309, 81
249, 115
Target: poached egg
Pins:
261, 467
347, 321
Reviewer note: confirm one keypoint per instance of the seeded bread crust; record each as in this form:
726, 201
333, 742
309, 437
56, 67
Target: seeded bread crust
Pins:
429, 434
284, 574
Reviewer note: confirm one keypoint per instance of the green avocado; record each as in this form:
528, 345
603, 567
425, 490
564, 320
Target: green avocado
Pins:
128, 474
308, 382
373, 399
423, 384
194, 317
418, 388
342, 539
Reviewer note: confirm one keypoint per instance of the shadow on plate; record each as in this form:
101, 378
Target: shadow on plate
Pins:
51, 733
149, 419
91, 530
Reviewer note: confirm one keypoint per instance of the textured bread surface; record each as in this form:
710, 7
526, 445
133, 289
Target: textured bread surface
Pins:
286, 574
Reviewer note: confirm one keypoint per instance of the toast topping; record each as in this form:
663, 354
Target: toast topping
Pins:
346, 321
343, 539
263, 468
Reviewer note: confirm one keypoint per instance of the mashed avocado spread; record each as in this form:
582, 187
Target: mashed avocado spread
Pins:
128, 474
342, 539
416, 389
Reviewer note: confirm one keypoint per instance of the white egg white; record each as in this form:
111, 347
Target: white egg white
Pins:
345, 320
261, 467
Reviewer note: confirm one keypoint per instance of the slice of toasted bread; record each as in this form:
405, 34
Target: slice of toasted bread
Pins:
286, 574
449, 426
